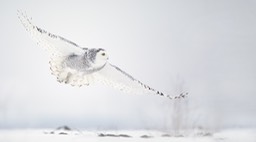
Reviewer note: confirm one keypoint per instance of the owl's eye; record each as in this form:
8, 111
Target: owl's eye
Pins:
103, 54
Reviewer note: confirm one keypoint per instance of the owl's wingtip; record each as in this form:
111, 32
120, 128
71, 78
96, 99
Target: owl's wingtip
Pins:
181, 96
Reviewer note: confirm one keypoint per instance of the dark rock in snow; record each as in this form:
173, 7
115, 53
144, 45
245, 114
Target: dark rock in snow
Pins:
125, 135
66, 128
178, 135
113, 135
208, 134
63, 133
107, 135
204, 134
146, 136
166, 135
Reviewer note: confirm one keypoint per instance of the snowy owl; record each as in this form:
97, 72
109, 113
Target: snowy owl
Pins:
78, 66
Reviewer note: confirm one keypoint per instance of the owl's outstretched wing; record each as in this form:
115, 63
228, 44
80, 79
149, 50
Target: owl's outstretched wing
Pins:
114, 77
54, 44
59, 49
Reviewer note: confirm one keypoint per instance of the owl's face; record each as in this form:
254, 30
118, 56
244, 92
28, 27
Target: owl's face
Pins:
101, 55
98, 57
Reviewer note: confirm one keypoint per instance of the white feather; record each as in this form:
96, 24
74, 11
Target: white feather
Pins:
60, 49
54, 44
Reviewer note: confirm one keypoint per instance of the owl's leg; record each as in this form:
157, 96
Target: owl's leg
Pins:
84, 80
74, 79
69, 78
62, 76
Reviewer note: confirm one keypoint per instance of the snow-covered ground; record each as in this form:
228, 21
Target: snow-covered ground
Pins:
234, 135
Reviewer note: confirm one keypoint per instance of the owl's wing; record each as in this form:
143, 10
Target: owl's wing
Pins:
54, 44
114, 77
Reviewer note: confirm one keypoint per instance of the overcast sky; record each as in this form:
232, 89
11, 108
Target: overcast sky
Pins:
208, 47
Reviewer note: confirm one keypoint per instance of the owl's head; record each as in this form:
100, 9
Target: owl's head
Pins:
97, 56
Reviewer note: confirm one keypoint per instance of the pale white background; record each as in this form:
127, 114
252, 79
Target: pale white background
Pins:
207, 46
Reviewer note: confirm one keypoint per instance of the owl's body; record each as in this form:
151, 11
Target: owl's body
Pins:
76, 69
79, 66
